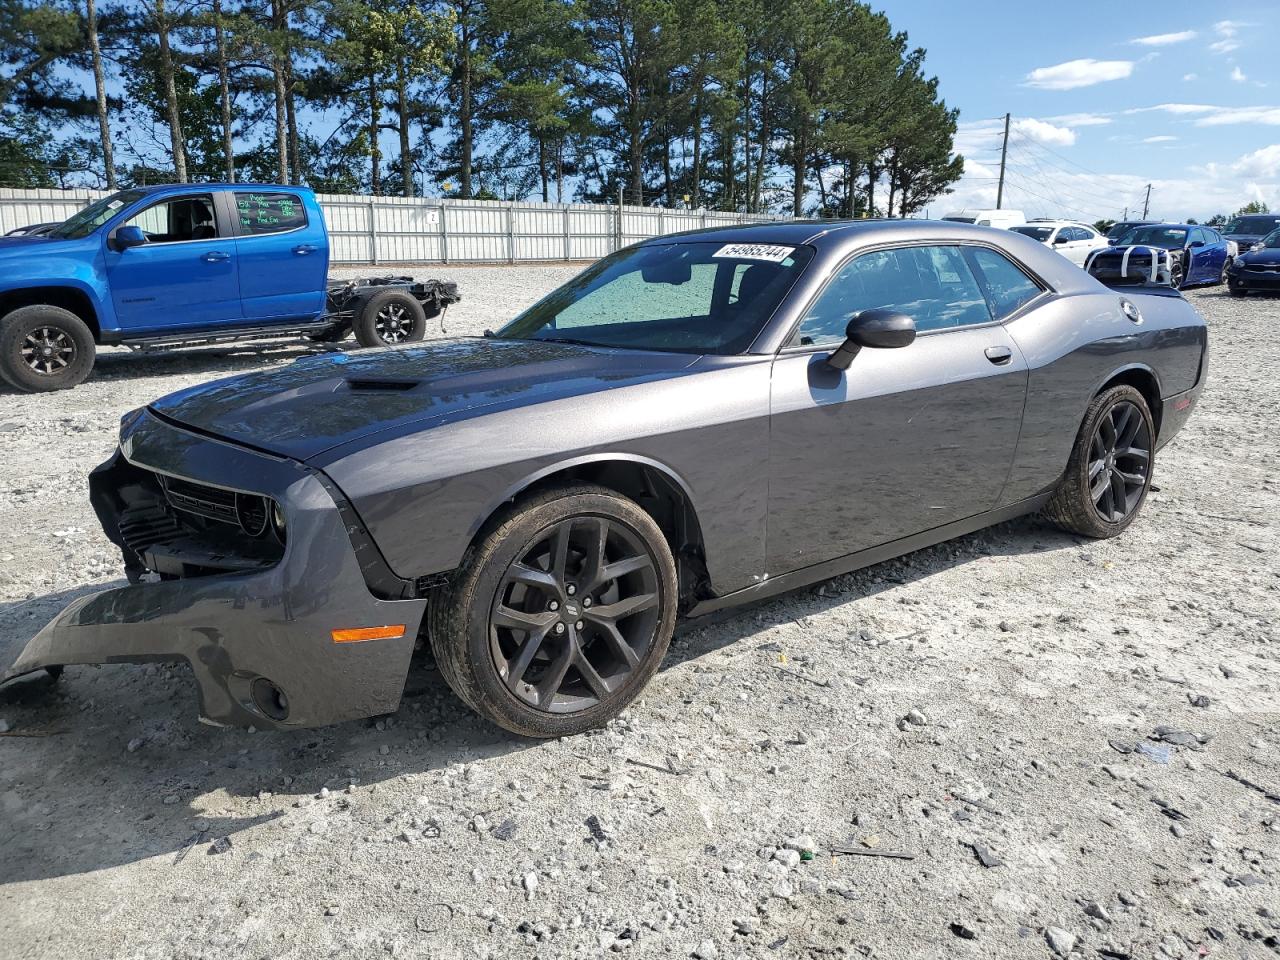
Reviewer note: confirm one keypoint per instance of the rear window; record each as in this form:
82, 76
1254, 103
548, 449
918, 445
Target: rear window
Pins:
1035, 233
260, 213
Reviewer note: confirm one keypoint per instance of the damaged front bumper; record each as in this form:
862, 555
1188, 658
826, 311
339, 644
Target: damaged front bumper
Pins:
258, 632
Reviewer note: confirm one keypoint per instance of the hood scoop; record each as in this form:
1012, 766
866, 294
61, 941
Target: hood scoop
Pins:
375, 384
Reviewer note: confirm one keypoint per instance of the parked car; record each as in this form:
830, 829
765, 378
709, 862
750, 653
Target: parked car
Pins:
1247, 230
1195, 255
34, 230
1121, 227
551, 498
1257, 269
166, 266
1075, 241
1001, 219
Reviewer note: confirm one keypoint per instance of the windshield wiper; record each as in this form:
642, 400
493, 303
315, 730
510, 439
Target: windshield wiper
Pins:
580, 343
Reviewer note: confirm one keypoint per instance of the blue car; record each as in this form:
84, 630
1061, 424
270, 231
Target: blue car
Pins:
1196, 255
1251, 228
1256, 269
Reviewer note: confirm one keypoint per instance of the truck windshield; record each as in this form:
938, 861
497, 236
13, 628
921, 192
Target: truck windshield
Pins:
95, 215
683, 297
1253, 225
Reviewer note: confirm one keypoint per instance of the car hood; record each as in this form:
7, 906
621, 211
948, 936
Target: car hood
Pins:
320, 402
1120, 249
21, 246
1267, 255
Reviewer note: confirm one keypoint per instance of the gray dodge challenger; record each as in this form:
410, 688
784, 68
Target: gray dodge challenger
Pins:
694, 422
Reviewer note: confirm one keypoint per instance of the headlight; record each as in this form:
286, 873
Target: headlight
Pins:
277, 521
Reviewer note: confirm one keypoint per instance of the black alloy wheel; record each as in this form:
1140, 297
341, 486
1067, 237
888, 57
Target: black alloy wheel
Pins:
560, 612
575, 614
390, 318
1120, 459
1110, 468
43, 347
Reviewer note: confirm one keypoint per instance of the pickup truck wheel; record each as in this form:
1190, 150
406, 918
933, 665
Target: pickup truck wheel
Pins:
558, 616
1109, 472
389, 318
44, 348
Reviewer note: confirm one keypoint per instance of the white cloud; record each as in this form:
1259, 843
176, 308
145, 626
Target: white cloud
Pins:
1238, 75
1078, 73
1223, 116
1042, 131
1163, 138
1227, 31
1165, 39
1080, 119
1176, 108
1261, 164
1188, 76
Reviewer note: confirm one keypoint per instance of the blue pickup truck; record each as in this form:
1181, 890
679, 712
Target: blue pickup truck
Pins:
182, 264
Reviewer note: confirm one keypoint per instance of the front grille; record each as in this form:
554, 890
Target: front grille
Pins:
204, 501
182, 528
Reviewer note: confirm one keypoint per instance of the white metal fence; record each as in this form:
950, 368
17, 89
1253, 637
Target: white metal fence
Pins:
377, 230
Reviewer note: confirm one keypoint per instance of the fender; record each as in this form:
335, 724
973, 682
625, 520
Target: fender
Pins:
599, 457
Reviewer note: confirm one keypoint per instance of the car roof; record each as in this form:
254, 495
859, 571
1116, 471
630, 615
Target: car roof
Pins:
825, 233
217, 185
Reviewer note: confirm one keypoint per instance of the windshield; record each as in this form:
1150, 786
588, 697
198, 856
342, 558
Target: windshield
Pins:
1170, 238
682, 297
1253, 226
959, 219
1035, 233
1272, 240
95, 215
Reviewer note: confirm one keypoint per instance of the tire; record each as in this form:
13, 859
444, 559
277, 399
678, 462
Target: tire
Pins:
1177, 278
506, 580
44, 348
389, 318
1082, 504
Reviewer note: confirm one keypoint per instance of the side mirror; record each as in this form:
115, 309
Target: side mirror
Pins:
881, 329
1195, 243
1061, 239
130, 235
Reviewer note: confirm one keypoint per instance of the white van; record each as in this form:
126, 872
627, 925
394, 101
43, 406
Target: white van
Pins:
1002, 219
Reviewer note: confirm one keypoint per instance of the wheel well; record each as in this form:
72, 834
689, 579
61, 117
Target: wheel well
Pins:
68, 298
658, 495
1144, 381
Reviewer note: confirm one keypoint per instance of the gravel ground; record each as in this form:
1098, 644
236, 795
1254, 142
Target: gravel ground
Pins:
991, 708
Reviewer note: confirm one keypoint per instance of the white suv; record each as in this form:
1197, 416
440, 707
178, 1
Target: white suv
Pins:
1073, 240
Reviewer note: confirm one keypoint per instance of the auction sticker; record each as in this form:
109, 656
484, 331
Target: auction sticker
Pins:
755, 251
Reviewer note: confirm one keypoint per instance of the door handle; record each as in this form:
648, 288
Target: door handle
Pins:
303, 249
999, 355
215, 256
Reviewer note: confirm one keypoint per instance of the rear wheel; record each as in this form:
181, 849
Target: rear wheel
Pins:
1109, 472
44, 348
389, 318
560, 615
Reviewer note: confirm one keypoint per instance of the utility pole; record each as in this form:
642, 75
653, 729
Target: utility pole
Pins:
1146, 204
1004, 152
1126, 214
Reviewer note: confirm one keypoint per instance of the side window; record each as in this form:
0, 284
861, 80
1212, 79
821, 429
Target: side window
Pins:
1198, 234
932, 285
1007, 286
1075, 233
261, 213
178, 220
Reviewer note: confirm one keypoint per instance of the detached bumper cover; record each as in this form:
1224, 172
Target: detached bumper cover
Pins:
237, 628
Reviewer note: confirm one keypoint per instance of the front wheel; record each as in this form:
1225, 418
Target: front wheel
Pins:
389, 318
559, 616
1109, 472
43, 348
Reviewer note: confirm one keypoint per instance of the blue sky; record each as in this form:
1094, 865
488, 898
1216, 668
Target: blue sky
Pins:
1105, 98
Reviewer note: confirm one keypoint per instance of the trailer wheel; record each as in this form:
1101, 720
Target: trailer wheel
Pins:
389, 318
43, 348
